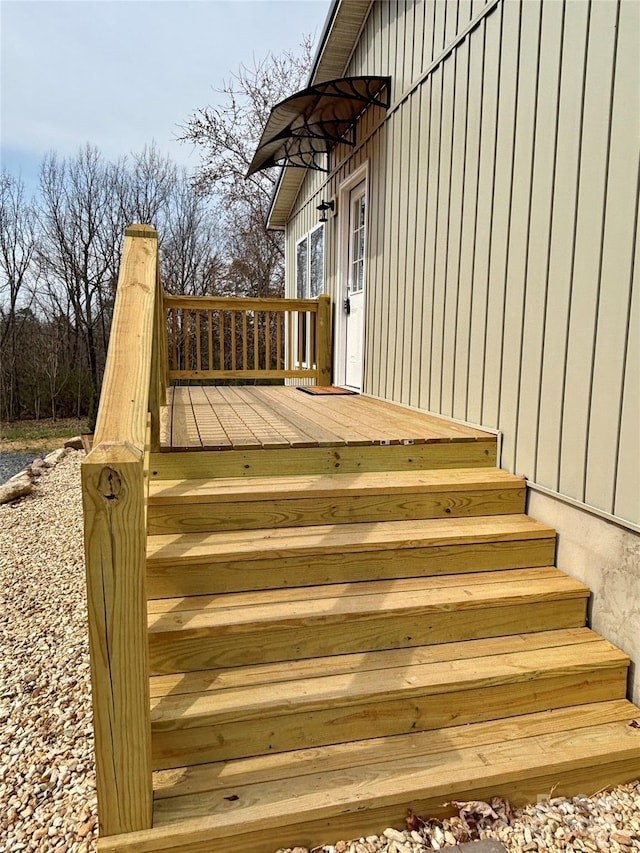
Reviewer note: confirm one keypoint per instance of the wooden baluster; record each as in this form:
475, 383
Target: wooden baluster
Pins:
279, 319
221, 335
233, 340
256, 341
267, 348
300, 338
289, 364
198, 343
186, 330
244, 340
312, 339
210, 337
174, 340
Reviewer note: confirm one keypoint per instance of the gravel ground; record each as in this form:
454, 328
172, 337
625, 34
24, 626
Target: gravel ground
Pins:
47, 781
11, 463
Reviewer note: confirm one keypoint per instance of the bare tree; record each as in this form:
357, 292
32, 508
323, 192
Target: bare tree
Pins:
76, 249
190, 255
17, 250
227, 136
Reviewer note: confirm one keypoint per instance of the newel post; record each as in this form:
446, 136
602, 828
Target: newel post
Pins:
115, 538
323, 340
114, 496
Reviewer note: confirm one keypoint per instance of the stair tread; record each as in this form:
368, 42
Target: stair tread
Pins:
248, 702
333, 603
317, 485
330, 781
222, 546
267, 673
353, 588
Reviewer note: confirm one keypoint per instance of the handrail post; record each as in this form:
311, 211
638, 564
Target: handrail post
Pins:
159, 367
115, 545
323, 340
114, 494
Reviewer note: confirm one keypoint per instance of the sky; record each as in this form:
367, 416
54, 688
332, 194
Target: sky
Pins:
120, 74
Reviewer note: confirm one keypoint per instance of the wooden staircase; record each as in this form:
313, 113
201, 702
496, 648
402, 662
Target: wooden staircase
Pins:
328, 650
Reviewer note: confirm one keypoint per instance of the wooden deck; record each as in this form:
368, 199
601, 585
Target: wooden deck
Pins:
279, 417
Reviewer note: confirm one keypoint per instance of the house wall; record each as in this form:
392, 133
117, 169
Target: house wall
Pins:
503, 200
605, 557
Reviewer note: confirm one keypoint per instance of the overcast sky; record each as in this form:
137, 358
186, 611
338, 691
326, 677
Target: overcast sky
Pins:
121, 73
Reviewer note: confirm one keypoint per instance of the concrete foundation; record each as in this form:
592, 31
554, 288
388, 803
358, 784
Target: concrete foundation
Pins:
606, 557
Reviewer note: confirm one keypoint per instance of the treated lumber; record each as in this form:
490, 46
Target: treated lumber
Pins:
240, 722
114, 486
226, 504
324, 350
239, 303
255, 463
168, 578
122, 414
221, 776
114, 510
202, 681
203, 632
345, 538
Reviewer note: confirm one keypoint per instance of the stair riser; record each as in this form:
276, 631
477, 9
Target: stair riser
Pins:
587, 780
170, 581
190, 650
324, 460
298, 730
344, 509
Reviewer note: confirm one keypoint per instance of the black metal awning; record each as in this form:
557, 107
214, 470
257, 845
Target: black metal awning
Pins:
307, 124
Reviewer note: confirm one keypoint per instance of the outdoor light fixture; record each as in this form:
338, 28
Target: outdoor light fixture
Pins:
323, 207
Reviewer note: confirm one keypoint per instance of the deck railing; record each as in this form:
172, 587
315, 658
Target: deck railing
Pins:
114, 491
254, 338
238, 338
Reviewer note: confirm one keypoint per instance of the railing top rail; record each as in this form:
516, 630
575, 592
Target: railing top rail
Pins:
122, 415
239, 303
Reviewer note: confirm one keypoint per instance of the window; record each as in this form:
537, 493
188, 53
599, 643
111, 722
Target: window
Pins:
310, 264
309, 285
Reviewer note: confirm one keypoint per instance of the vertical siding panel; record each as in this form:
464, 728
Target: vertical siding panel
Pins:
464, 14
510, 41
418, 39
473, 142
456, 215
376, 192
396, 45
439, 26
483, 231
387, 278
627, 493
587, 248
450, 21
409, 28
422, 285
399, 269
431, 237
618, 241
544, 181
442, 230
562, 243
393, 282
408, 271
519, 229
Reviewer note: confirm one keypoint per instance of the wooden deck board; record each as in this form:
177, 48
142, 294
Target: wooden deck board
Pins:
277, 417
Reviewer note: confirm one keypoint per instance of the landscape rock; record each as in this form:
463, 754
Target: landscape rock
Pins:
37, 467
74, 443
17, 487
56, 456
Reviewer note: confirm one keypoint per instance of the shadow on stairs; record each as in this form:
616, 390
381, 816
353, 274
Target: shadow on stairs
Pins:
330, 650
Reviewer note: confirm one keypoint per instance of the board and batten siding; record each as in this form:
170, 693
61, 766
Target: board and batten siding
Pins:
502, 269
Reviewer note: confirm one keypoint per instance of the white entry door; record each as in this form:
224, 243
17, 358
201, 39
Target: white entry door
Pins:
354, 298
